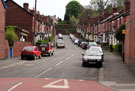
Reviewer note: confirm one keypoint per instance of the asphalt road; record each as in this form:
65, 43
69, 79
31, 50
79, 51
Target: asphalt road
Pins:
66, 63
64, 72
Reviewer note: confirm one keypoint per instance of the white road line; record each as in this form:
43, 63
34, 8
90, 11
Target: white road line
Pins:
53, 84
15, 86
101, 74
12, 65
59, 63
43, 72
69, 57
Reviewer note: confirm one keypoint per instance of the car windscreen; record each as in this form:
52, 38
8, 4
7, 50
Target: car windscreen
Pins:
44, 45
92, 44
28, 48
92, 53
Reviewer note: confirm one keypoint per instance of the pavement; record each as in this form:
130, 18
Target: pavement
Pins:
117, 74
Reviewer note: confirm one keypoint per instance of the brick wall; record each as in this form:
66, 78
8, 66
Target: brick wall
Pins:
130, 38
2, 30
17, 16
18, 46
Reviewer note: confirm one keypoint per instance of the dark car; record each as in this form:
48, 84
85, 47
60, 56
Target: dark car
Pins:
46, 49
30, 52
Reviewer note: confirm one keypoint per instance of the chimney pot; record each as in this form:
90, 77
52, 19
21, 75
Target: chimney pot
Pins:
26, 6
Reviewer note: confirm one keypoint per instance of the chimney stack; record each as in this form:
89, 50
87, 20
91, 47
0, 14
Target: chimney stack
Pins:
114, 10
127, 6
26, 6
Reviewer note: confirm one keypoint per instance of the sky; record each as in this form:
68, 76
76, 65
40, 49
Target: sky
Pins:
50, 7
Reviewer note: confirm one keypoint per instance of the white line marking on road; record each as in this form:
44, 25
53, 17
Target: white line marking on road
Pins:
12, 65
52, 84
69, 57
43, 72
59, 63
101, 74
15, 86
48, 78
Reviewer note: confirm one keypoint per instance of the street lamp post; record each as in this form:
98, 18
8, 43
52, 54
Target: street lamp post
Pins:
35, 21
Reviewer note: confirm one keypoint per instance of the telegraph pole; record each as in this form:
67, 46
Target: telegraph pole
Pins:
35, 21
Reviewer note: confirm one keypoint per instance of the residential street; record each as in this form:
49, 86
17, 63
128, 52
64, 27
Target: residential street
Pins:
66, 63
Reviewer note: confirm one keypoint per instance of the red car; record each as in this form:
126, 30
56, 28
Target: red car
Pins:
30, 52
46, 49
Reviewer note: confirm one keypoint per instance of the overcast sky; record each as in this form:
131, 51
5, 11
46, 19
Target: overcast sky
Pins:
51, 7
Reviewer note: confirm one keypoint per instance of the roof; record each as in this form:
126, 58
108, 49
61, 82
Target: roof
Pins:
20, 7
122, 14
4, 4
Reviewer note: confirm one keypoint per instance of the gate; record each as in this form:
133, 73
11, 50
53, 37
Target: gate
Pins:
11, 52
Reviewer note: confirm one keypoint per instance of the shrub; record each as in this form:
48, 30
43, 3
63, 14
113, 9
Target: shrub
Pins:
11, 37
111, 48
118, 47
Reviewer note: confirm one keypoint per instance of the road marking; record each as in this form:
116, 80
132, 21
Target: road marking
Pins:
69, 57
48, 78
12, 65
15, 86
52, 84
101, 74
59, 63
43, 72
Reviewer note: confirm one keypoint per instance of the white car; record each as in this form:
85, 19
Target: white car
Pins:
97, 48
60, 36
91, 44
60, 43
92, 57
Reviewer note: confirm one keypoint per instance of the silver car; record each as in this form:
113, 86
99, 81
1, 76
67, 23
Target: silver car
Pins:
60, 43
92, 57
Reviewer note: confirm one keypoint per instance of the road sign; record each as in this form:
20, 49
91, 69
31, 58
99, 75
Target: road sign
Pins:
123, 31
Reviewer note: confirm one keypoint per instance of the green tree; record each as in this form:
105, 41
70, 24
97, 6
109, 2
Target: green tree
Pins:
119, 36
73, 8
73, 20
10, 35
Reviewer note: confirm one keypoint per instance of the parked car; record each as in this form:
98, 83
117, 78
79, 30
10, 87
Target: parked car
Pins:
98, 48
60, 36
92, 57
30, 52
84, 45
91, 44
46, 49
79, 42
76, 41
60, 43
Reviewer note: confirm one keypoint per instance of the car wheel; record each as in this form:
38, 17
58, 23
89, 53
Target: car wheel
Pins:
52, 53
22, 57
83, 64
100, 65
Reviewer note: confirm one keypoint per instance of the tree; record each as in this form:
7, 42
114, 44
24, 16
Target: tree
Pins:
73, 20
10, 35
119, 36
99, 5
118, 4
73, 8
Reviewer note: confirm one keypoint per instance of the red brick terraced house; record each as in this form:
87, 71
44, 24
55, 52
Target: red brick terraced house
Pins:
2, 28
24, 19
130, 37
